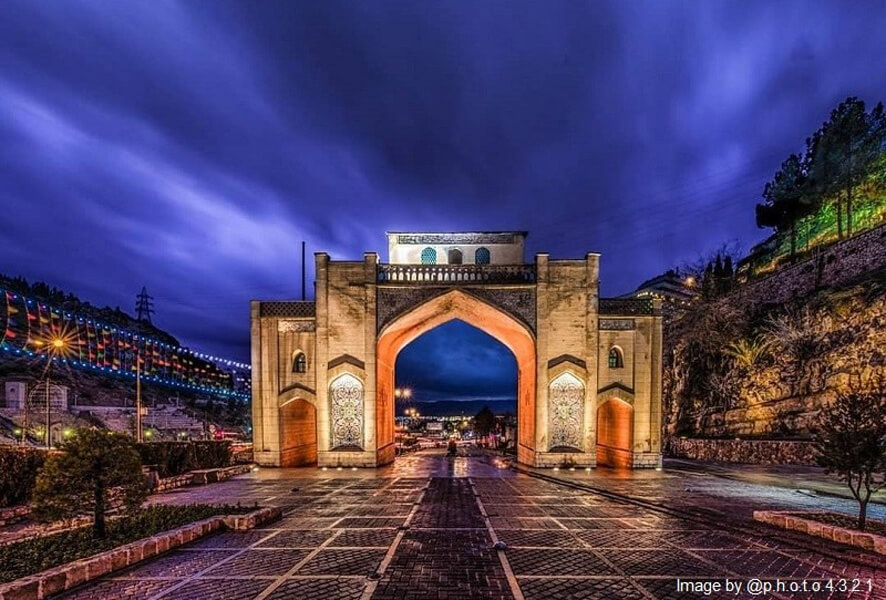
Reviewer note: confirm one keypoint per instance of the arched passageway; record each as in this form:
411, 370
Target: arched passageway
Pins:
473, 311
299, 435
615, 431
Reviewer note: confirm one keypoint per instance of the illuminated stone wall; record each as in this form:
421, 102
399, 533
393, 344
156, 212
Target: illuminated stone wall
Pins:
823, 327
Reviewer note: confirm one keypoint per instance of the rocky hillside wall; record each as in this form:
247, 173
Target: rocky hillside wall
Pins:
762, 362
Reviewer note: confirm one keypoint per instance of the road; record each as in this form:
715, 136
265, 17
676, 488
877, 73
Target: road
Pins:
426, 528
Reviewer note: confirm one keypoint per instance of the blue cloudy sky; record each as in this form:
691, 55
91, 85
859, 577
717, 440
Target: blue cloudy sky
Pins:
190, 146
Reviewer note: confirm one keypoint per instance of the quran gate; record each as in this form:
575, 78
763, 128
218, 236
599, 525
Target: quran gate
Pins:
589, 368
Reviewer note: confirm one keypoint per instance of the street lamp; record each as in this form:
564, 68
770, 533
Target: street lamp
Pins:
55, 347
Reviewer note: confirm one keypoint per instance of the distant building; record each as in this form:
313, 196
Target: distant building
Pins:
673, 290
20, 389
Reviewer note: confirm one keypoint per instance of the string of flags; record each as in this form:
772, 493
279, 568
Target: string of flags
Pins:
28, 324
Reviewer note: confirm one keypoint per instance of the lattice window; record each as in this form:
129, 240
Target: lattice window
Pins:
346, 413
300, 363
429, 256
616, 361
567, 408
481, 256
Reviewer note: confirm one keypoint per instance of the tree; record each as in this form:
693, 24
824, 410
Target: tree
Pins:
484, 422
844, 153
851, 442
787, 199
77, 480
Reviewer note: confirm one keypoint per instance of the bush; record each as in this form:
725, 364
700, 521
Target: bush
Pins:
18, 472
38, 554
171, 458
175, 458
78, 480
212, 455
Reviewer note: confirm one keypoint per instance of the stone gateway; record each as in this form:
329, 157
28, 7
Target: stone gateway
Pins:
589, 368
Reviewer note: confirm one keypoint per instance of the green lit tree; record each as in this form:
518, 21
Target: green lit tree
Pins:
851, 442
844, 153
79, 479
787, 199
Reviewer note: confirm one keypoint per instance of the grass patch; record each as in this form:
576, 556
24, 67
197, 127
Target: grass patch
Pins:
38, 554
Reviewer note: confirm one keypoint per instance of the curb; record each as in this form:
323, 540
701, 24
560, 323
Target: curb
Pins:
64, 577
795, 521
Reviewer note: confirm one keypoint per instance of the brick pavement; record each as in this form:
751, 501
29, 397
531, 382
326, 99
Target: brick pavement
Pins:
426, 530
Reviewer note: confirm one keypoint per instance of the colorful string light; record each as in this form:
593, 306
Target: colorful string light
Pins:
103, 348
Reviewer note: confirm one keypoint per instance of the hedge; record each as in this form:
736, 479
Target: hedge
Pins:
18, 472
19, 466
32, 555
175, 458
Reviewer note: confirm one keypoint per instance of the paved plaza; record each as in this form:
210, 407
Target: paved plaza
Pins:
429, 527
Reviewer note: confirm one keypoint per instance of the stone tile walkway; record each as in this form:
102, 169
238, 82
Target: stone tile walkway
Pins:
427, 527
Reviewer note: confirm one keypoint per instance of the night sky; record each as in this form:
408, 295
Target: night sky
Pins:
191, 146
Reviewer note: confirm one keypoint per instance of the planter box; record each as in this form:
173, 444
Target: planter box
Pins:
65, 577
797, 521
14, 514
204, 476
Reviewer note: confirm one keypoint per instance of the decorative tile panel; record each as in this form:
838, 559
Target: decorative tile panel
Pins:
616, 324
395, 301
287, 308
296, 326
346, 412
566, 412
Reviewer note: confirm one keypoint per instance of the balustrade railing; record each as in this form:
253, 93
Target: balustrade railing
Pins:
450, 274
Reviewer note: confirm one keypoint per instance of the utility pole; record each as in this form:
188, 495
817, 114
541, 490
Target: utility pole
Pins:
144, 306
48, 407
303, 270
138, 399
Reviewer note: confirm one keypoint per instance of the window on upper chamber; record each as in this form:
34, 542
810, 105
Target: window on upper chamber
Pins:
615, 359
429, 256
455, 256
481, 256
300, 363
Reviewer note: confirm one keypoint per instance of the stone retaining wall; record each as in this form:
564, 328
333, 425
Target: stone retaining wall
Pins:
831, 266
755, 452
14, 514
58, 579
798, 522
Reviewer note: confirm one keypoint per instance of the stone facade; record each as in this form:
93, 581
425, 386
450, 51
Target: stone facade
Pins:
547, 313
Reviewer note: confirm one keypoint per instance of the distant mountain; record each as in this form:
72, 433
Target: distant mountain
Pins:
454, 408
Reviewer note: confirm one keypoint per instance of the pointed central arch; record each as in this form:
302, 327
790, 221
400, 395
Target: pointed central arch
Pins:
452, 305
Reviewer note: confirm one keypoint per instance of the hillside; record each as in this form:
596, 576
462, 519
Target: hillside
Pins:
762, 361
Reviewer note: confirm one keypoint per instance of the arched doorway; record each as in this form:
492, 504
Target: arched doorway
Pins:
456, 304
299, 436
615, 430
456, 370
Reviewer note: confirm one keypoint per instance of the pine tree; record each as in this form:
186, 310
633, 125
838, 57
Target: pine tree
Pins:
77, 480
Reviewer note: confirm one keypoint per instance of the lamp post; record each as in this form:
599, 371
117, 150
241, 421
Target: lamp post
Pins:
55, 347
